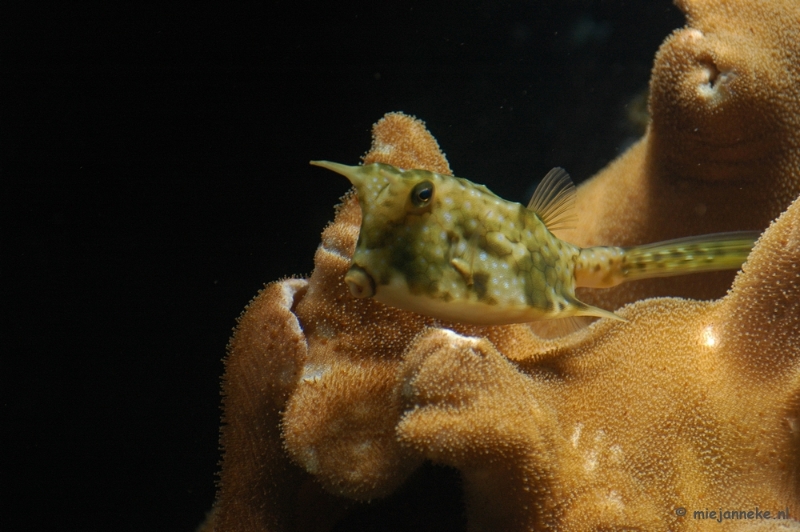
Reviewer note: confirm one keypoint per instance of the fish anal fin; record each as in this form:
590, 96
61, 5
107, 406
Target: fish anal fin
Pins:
582, 309
554, 200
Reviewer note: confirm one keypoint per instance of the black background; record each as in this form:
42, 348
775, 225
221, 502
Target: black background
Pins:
155, 174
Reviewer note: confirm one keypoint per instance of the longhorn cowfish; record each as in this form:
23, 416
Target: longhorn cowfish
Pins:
450, 249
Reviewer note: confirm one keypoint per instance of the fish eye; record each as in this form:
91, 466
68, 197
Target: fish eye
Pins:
422, 194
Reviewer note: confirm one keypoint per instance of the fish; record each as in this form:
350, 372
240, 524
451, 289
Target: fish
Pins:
450, 249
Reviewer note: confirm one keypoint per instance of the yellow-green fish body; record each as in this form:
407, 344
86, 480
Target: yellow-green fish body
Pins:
445, 247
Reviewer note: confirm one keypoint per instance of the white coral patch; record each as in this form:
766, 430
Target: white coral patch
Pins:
458, 341
310, 460
614, 499
576, 434
314, 372
692, 35
590, 461
382, 148
616, 454
709, 336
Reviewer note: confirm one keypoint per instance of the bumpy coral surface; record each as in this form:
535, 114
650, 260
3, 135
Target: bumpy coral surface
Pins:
722, 152
690, 407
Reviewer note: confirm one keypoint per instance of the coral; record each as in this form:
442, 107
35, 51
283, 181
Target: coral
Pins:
722, 152
403, 141
690, 404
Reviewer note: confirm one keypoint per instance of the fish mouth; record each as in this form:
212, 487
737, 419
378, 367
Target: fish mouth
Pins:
360, 282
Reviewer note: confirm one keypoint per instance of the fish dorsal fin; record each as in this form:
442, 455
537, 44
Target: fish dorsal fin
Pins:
554, 199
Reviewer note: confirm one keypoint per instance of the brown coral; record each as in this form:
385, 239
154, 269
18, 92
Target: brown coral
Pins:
722, 152
302, 343
691, 405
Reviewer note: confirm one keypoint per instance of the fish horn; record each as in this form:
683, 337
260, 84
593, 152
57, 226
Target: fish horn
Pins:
354, 173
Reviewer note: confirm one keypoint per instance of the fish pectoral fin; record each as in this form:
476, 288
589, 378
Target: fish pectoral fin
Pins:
464, 268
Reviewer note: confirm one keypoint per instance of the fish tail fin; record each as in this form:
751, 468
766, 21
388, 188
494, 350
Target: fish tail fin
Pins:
601, 267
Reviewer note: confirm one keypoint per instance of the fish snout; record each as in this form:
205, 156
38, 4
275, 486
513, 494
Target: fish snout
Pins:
360, 282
